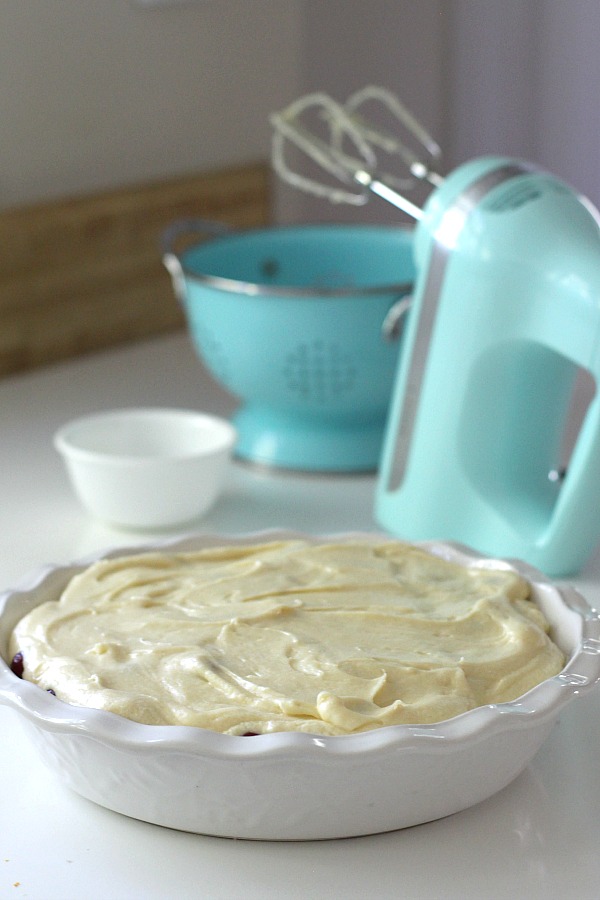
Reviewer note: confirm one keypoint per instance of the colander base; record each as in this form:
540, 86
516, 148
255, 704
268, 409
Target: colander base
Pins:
309, 443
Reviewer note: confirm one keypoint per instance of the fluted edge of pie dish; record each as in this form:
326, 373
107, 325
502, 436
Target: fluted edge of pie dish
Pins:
297, 786
581, 672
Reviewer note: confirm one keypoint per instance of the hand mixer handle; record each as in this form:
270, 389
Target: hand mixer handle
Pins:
574, 526
507, 310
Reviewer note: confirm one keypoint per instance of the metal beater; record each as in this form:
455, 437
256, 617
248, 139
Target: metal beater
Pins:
344, 124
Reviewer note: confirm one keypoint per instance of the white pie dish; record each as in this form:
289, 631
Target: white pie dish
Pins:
289, 786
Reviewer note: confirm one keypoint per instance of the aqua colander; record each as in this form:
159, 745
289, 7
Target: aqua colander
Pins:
295, 322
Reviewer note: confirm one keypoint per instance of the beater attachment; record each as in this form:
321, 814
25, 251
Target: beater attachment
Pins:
348, 147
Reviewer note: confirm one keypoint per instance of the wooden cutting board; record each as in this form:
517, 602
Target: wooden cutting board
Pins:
80, 274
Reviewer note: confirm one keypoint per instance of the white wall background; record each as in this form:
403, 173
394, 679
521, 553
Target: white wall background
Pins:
524, 79
98, 93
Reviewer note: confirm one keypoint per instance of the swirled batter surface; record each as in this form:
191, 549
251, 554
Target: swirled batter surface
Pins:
289, 636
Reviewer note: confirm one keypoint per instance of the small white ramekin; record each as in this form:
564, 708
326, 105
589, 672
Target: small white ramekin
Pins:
145, 467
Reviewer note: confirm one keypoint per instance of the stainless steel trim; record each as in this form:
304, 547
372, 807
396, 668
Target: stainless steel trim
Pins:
229, 285
464, 204
180, 272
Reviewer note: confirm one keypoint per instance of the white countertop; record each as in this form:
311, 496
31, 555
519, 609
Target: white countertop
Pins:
538, 838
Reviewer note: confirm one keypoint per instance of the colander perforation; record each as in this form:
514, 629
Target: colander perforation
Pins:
319, 371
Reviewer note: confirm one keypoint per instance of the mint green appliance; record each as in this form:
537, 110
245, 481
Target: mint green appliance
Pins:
505, 314
504, 319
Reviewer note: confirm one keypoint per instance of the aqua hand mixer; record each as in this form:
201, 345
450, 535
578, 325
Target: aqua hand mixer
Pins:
505, 314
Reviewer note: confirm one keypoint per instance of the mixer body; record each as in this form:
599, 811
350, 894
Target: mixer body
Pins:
506, 313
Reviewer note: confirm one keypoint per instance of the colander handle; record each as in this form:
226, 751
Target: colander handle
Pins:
173, 234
